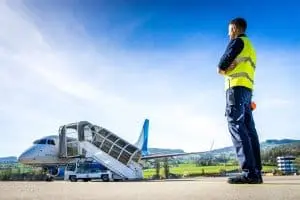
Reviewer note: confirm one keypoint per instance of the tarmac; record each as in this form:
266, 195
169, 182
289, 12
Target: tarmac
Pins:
275, 187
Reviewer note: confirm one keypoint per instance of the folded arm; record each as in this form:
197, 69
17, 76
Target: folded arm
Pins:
233, 49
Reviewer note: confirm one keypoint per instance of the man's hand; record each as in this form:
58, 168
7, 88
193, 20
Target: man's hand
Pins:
222, 72
231, 67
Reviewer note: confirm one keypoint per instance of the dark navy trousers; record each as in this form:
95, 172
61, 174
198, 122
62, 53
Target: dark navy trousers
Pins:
242, 128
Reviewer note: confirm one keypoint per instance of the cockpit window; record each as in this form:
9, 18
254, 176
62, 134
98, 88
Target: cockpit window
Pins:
51, 142
43, 141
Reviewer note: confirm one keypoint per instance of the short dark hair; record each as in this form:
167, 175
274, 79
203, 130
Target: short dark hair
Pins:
240, 23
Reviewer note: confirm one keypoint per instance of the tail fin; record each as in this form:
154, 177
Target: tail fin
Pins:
142, 142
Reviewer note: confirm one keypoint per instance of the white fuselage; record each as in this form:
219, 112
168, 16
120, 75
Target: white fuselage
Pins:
43, 152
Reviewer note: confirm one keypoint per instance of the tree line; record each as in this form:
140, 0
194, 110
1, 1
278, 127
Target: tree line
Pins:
269, 156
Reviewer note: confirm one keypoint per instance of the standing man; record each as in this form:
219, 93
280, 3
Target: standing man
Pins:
237, 65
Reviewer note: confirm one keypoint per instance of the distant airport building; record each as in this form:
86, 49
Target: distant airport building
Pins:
286, 164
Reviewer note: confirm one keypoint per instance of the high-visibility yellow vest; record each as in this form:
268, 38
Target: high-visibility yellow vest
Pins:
243, 73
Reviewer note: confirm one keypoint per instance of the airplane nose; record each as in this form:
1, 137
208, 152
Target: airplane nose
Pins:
20, 159
23, 158
26, 156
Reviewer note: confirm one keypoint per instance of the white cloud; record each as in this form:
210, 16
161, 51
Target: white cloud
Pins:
47, 84
276, 92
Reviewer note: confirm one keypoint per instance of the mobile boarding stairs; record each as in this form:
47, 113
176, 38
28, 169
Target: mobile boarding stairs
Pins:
111, 151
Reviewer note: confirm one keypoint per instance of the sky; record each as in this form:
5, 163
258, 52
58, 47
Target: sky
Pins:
115, 63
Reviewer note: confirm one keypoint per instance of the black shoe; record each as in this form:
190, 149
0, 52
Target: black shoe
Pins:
260, 179
242, 179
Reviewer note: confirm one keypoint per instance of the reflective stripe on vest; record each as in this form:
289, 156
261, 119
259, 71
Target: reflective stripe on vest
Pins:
241, 74
245, 59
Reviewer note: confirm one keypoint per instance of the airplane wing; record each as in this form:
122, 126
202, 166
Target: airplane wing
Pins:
153, 156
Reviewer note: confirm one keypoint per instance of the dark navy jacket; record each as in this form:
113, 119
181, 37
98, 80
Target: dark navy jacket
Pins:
234, 48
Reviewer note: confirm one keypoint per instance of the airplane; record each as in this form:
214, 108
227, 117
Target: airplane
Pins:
44, 153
